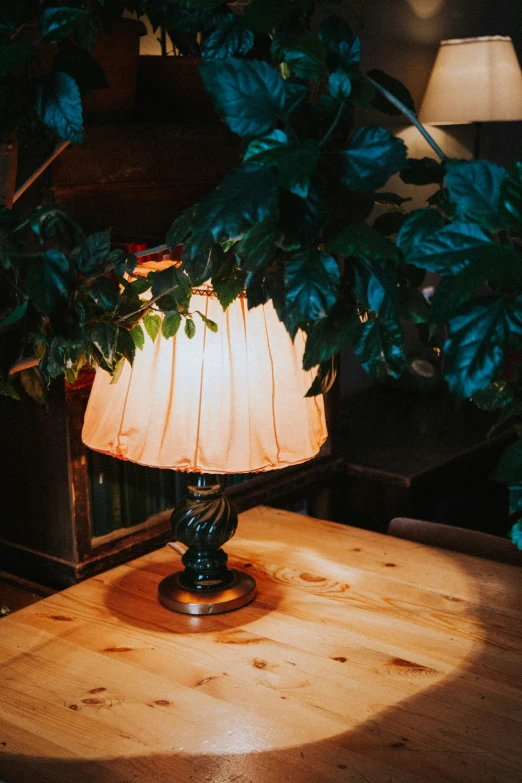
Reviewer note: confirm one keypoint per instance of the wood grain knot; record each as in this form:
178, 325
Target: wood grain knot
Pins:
356, 549
61, 618
259, 664
306, 577
410, 667
73, 706
162, 703
239, 639
97, 690
118, 649
391, 565
91, 701
340, 658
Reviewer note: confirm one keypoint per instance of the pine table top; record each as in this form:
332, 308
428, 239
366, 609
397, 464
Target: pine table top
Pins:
364, 658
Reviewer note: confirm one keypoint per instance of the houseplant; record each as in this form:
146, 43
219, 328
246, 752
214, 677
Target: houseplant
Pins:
286, 220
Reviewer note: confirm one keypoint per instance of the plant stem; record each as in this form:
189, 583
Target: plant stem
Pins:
147, 305
333, 125
34, 176
410, 115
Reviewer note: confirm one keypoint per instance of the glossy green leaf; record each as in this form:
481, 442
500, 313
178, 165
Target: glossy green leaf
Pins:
59, 106
57, 23
170, 324
301, 219
329, 335
209, 323
422, 171
295, 162
311, 285
125, 345
340, 85
105, 336
474, 188
152, 324
246, 195
362, 240
446, 251
511, 198
393, 86
256, 249
228, 39
344, 46
447, 300
413, 305
137, 287
229, 281
53, 223
138, 336
15, 315
48, 280
375, 287
202, 267
105, 293
479, 337
372, 156
172, 287
324, 379
190, 328
380, 347
181, 228
248, 93
496, 396
515, 534
306, 57
93, 253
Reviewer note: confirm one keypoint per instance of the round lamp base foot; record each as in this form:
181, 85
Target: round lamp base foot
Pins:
172, 595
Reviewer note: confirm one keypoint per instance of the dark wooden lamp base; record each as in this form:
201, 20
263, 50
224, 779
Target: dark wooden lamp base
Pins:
203, 522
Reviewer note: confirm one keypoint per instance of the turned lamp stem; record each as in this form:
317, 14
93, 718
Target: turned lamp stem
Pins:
203, 522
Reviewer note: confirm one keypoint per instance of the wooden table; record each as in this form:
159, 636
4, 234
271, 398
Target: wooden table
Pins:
364, 658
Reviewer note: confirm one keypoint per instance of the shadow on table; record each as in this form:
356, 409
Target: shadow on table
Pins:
379, 750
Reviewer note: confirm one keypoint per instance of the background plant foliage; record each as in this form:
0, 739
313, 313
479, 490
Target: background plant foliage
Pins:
284, 222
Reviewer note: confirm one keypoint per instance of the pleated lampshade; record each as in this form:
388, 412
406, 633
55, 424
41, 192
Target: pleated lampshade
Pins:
226, 402
474, 80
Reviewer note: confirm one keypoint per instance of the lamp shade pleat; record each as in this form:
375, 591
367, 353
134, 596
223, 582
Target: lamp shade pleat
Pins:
230, 401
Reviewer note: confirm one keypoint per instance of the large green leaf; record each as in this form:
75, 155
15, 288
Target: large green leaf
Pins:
376, 287
423, 171
295, 162
324, 379
170, 324
474, 188
344, 46
246, 195
48, 279
248, 93
447, 300
301, 219
105, 293
105, 337
181, 228
228, 39
92, 254
393, 86
256, 249
229, 281
479, 337
362, 240
329, 335
57, 23
172, 289
380, 347
52, 223
446, 251
340, 85
152, 324
311, 285
15, 315
14, 55
306, 57
59, 106
372, 156
202, 267
511, 198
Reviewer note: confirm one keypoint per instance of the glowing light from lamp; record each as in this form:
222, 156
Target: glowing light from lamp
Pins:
474, 80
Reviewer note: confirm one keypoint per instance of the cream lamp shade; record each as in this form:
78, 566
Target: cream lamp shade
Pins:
226, 402
474, 80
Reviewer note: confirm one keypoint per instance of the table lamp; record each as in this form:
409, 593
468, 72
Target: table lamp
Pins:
474, 80
231, 401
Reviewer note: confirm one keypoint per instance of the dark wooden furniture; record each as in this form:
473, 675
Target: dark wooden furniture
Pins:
421, 456
457, 539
